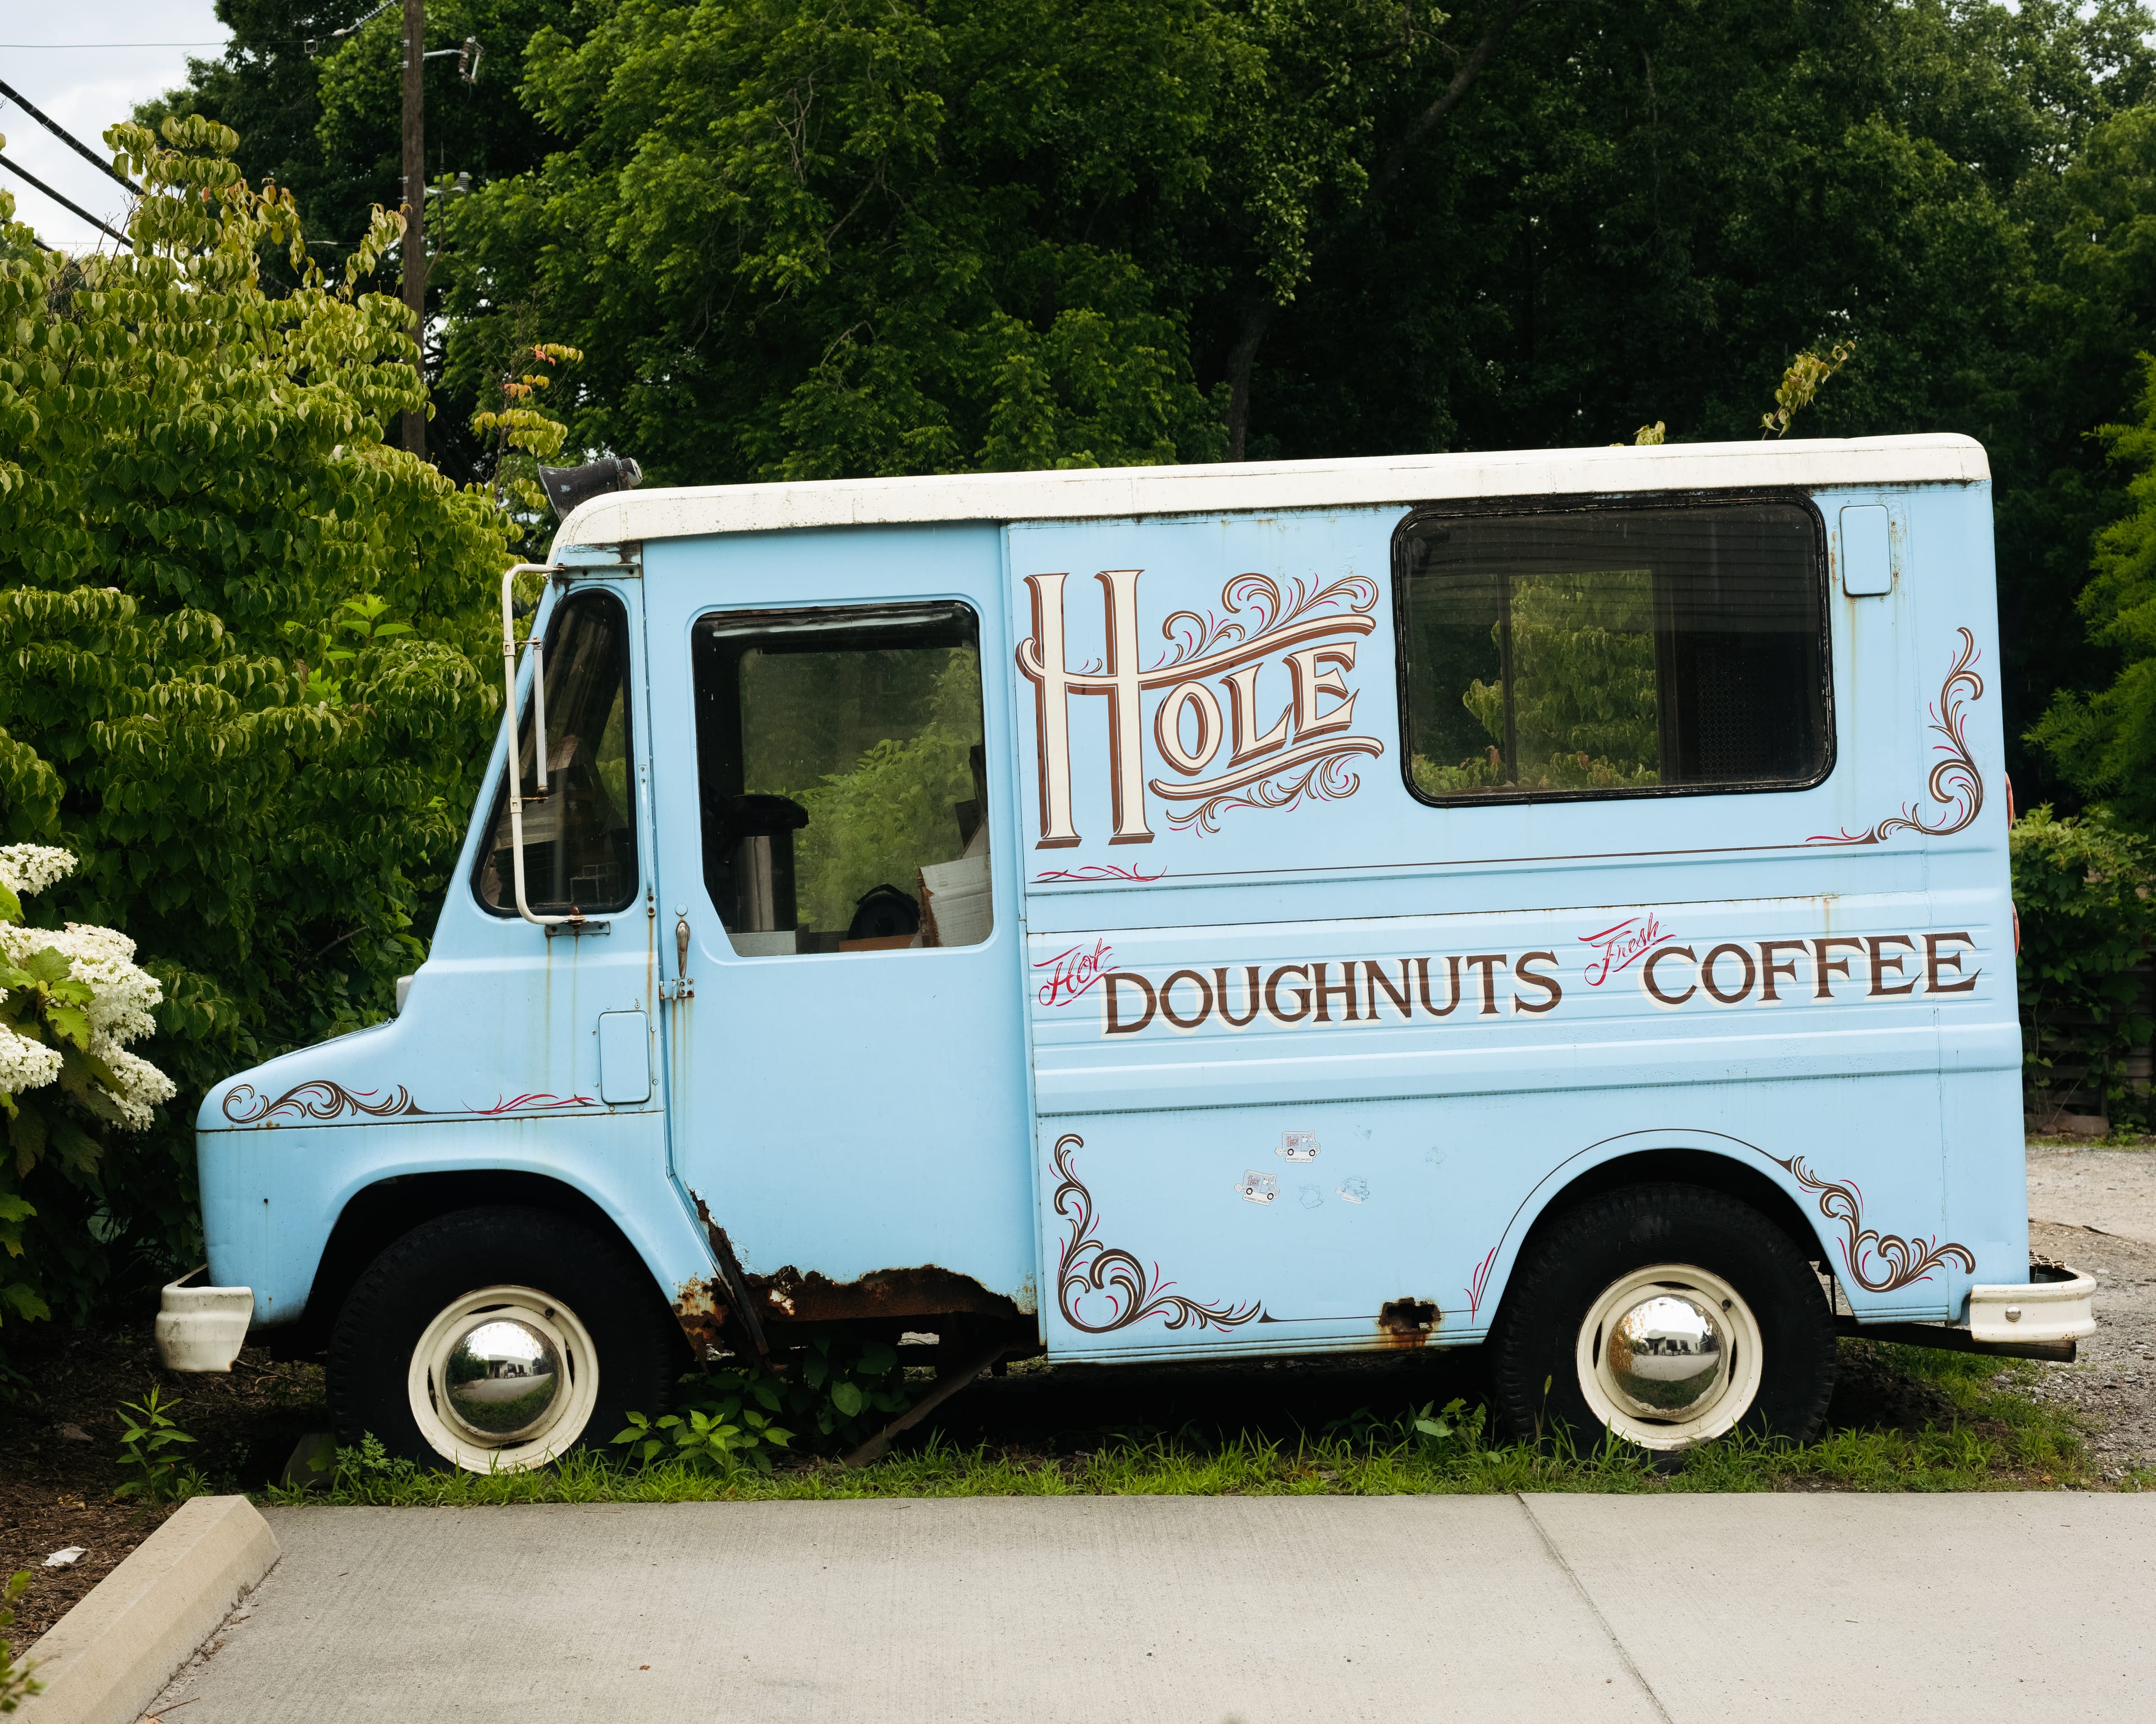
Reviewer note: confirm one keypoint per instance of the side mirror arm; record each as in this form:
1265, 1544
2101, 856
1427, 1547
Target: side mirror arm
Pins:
538, 735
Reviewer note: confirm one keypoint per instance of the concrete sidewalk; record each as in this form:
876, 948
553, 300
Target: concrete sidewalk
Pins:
1193, 1611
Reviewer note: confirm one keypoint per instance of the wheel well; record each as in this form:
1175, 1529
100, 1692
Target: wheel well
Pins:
380, 1213
1692, 1167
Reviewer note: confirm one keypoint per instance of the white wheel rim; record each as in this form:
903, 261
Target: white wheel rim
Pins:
557, 1428
1742, 1356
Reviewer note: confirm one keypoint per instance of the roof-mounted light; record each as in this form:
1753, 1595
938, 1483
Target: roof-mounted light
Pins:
567, 486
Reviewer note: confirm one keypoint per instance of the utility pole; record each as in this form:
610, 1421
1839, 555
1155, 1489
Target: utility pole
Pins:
415, 201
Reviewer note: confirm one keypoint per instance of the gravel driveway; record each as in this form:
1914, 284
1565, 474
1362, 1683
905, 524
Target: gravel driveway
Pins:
2096, 1209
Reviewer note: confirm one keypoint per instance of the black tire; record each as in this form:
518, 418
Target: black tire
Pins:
634, 1341
1565, 1273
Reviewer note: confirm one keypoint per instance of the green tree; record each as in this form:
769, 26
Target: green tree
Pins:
2083, 890
1584, 703
796, 240
2104, 742
799, 240
240, 647
322, 117
1646, 209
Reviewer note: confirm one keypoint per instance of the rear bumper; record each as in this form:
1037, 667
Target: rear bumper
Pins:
2046, 1317
201, 1327
2056, 1304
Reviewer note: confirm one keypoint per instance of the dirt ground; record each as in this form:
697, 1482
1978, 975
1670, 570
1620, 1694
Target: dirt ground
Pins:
2096, 1209
2093, 1208
61, 1445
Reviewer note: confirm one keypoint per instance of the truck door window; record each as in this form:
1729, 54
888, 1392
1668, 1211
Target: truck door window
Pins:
1613, 651
579, 844
840, 768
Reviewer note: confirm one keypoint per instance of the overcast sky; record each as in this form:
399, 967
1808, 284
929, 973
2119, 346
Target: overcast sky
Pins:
86, 64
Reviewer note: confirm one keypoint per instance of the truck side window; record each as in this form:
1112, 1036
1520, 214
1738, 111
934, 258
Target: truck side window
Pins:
579, 841
1613, 651
840, 767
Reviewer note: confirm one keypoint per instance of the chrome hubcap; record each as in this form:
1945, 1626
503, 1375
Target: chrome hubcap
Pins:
1666, 1357
502, 1379
1669, 1355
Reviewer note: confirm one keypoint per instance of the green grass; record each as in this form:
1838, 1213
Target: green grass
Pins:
1975, 1433
2120, 1137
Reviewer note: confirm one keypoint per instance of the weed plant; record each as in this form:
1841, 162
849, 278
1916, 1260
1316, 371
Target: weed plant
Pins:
17, 1684
148, 1432
1992, 1437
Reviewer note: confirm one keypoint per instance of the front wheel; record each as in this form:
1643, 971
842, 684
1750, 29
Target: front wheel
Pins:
498, 1340
1663, 1316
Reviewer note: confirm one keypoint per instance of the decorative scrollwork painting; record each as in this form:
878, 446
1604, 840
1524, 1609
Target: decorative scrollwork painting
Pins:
1255, 610
1326, 778
1479, 1284
1955, 783
1086, 1267
1092, 872
533, 1104
320, 1100
1877, 1261
324, 1101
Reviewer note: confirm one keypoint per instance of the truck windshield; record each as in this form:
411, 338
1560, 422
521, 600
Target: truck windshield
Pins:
579, 845
1607, 651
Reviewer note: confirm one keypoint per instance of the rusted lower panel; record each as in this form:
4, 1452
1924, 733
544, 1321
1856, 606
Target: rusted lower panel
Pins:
925, 1291
1407, 1322
737, 1294
729, 1311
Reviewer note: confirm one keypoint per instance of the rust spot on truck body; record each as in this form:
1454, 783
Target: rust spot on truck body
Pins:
924, 1291
729, 1311
701, 1309
1407, 1322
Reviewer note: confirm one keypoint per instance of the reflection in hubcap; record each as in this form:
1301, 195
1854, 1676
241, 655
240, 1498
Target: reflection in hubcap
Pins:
1665, 1356
503, 1377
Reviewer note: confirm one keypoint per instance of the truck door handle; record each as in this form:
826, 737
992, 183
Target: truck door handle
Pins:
685, 984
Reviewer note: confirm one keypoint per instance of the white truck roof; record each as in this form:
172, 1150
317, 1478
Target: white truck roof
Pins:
1112, 493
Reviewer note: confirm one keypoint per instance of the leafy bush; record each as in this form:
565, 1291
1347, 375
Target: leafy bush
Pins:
243, 650
69, 1000
732, 1425
2081, 888
848, 1389
841, 1389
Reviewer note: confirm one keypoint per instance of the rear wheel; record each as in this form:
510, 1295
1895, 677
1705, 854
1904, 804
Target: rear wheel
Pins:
1664, 1316
498, 1340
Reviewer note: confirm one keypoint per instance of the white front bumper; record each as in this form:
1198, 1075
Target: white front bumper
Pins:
2055, 1303
200, 1327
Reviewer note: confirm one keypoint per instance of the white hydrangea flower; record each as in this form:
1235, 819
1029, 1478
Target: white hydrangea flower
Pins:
32, 868
142, 1086
122, 994
25, 1064
103, 957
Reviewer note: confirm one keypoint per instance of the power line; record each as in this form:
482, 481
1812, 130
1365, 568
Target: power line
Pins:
65, 136
22, 173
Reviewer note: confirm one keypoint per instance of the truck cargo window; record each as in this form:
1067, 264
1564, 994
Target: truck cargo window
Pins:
579, 838
1614, 650
840, 768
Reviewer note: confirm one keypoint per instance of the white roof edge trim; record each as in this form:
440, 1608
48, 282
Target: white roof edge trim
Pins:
1113, 493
